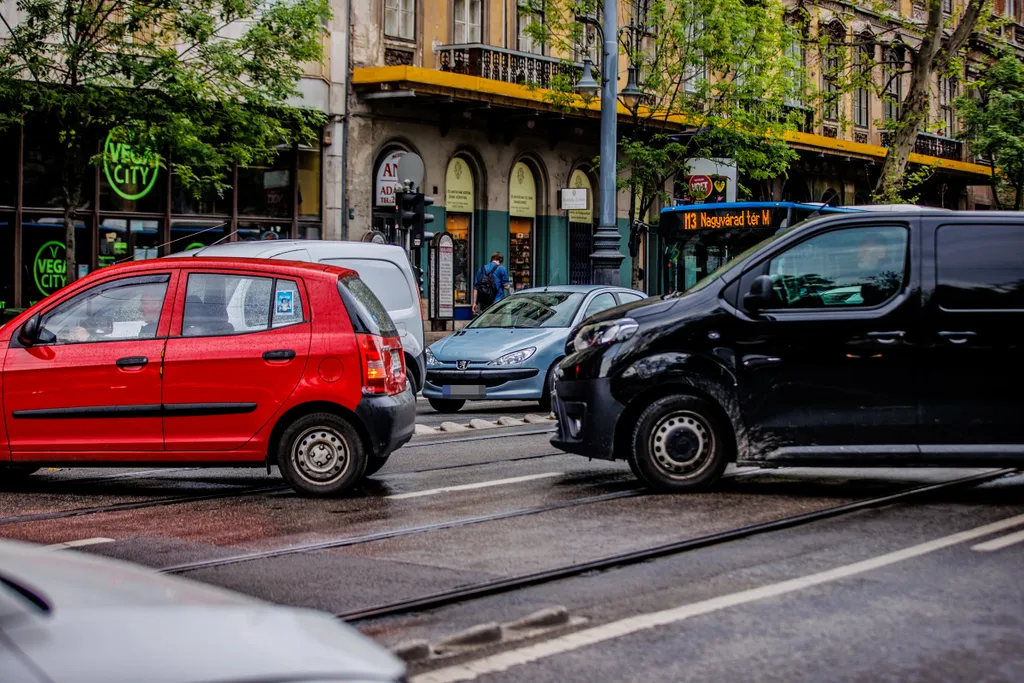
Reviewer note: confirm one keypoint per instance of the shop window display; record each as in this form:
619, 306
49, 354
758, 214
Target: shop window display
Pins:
43, 269
520, 256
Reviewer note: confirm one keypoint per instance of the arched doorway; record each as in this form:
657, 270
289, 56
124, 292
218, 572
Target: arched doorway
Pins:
581, 231
384, 187
522, 211
795, 190
459, 206
831, 197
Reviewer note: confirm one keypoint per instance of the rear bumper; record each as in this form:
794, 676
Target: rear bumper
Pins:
389, 420
587, 417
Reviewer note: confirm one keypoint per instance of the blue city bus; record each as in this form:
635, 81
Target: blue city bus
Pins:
692, 241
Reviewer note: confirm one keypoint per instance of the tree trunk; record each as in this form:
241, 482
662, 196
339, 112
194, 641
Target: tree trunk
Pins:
634, 277
914, 111
1018, 187
994, 182
72, 181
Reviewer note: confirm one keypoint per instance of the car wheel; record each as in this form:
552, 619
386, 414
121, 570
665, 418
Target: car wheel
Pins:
678, 445
446, 405
321, 455
549, 388
374, 465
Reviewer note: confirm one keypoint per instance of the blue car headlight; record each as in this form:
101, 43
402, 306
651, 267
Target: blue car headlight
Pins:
515, 357
431, 360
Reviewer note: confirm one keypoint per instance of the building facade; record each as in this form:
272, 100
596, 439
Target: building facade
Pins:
447, 79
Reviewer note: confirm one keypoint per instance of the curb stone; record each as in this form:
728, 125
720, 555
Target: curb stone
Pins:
506, 421
482, 424
480, 634
537, 419
453, 427
412, 650
423, 429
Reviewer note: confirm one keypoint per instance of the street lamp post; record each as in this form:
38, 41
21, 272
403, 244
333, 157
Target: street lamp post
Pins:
607, 257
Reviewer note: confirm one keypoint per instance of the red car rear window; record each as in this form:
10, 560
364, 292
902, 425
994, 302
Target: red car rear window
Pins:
367, 312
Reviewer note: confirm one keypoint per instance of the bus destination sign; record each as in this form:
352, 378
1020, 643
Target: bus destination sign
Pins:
714, 219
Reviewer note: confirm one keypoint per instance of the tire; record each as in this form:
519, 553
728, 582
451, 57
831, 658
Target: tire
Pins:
446, 405
374, 465
321, 455
549, 387
414, 382
679, 445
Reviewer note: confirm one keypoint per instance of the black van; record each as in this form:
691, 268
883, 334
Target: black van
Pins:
878, 338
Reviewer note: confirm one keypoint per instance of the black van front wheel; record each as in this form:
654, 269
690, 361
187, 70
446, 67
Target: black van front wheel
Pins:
678, 445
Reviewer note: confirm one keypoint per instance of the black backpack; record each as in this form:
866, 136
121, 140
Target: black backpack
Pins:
485, 289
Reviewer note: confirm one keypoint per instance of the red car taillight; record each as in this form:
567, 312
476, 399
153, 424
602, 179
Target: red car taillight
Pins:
383, 365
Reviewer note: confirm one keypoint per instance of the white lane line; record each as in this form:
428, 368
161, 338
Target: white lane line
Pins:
616, 629
1000, 543
79, 543
478, 485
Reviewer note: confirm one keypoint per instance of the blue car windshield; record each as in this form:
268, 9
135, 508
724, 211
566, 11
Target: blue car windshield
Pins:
533, 310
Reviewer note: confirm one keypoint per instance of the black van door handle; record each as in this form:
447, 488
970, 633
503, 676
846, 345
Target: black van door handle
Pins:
957, 337
279, 354
890, 337
132, 362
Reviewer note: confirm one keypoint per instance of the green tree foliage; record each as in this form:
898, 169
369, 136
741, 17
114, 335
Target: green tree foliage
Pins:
994, 125
205, 82
719, 80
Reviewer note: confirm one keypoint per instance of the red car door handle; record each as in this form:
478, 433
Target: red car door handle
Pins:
889, 337
132, 362
279, 354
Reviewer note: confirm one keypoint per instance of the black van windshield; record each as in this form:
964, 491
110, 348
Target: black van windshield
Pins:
740, 258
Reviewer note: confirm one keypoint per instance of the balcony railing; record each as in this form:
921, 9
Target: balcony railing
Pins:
933, 146
510, 66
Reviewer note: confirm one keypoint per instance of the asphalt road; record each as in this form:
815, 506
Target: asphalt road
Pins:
888, 593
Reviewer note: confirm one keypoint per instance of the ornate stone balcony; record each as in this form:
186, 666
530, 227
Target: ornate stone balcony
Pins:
510, 66
933, 146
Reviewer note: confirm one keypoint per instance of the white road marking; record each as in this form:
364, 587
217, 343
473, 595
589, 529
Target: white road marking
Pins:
999, 543
478, 485
79, 543
617, 629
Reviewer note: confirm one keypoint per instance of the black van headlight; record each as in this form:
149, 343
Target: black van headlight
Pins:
603, 333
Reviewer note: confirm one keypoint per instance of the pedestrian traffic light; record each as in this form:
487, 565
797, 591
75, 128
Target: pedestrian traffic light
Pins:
412, 215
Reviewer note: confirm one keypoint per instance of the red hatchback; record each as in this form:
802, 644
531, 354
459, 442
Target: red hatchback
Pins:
219, 362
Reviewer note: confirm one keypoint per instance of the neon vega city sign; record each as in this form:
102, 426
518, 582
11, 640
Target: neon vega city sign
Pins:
131, 168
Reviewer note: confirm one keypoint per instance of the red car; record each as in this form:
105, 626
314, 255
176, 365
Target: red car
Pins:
219, 362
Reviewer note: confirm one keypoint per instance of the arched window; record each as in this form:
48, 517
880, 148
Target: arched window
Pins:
865, 56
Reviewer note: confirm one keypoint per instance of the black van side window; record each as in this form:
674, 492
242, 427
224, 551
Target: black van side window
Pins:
855, 267
980, 267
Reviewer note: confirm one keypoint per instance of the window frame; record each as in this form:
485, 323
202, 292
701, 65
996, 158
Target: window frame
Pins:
466, 24
522, 21
179, 330
862, 96
910, 276
399, 13
937, 283
113, 283
594, 299
894, 82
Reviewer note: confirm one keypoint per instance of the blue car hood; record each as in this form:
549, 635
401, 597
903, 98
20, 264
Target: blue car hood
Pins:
488, 343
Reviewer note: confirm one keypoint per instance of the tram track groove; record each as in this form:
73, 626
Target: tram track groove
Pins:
275, 488
497, 586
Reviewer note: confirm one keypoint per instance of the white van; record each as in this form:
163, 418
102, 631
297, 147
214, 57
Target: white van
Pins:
384, 268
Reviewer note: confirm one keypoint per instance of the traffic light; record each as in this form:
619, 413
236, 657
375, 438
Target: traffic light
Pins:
412, 215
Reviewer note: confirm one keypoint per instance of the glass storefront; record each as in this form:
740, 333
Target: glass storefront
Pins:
131, 211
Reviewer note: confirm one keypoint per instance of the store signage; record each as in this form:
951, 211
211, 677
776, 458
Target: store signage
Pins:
131, 168
387, 179
50, 268
580, 181
574, 198
445, 276
705, 189
713, 219
522, 192
458, 187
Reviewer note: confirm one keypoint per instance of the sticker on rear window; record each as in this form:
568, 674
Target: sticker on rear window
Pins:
284, 302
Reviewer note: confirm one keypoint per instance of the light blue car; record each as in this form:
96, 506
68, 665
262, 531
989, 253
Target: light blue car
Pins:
508, 352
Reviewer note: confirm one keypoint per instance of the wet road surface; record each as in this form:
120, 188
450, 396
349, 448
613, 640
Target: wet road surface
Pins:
445, 513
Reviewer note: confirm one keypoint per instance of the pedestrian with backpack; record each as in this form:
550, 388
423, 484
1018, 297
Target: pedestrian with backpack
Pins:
490, 283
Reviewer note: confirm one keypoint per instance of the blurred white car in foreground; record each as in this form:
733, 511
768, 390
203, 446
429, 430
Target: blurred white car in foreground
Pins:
67, 617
